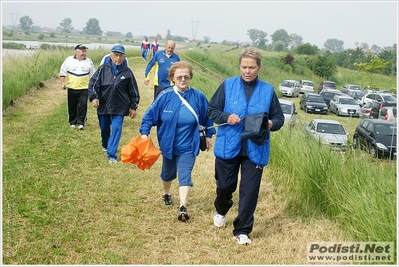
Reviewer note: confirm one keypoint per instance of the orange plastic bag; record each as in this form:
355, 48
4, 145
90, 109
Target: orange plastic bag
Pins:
140, 152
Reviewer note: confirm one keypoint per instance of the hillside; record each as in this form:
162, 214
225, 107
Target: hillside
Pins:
64, 204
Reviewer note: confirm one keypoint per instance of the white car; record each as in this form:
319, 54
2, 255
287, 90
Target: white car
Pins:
306, 86
328, 132
344, 105
289, 111
290, 88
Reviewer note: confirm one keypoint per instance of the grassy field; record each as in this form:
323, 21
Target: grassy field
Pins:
64, 204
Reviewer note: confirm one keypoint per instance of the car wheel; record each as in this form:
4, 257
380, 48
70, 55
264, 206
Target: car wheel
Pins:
373, 151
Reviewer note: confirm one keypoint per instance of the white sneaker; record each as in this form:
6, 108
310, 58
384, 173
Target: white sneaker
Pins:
104, 149
73, 126
242, 239
81, 127
112, 160
219, 220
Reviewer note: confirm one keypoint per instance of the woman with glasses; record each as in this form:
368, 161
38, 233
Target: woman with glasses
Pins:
177, 113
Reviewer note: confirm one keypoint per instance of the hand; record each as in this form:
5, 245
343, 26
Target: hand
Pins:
132, 113
208, 143
233, 119
95, 103
146, 82
270, 124
144, 136
63, 87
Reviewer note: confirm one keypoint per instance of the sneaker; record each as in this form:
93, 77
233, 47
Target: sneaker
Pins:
182, 214
104, 149
112, 160
219, 220
167, 200
242, 239
81, 127
73, 126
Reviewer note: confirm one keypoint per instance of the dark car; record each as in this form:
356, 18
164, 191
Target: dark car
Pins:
327, 85
313, 103
377, 106
357, 95
328, 94
378, 137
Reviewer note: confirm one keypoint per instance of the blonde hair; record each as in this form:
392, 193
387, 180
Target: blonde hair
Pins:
251, 52
180, 65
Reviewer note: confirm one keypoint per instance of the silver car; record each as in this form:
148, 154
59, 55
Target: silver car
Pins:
306, 86
289, 111
328, 132
344, 105
289, 88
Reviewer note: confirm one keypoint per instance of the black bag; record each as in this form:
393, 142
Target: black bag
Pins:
203, 138
256, 128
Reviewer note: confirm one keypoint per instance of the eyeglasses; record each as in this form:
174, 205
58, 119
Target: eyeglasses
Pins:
179, 78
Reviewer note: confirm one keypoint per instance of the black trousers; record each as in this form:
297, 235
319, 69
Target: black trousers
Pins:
226, 175
157, 90
77, 106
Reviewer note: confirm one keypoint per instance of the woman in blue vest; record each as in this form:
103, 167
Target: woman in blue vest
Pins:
234, 154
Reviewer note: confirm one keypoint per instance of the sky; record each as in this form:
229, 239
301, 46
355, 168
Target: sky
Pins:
371, 22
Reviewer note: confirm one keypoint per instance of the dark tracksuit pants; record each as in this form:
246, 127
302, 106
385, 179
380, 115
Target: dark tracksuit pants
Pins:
157, 90
226, 174
77, 106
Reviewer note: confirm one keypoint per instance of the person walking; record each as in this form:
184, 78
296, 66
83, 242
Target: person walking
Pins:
177, 123
114, 93
154, 46
159, 65
75, 74
145, 47
234, 154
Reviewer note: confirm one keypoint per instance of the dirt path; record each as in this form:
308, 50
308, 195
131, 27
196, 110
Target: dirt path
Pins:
277, 238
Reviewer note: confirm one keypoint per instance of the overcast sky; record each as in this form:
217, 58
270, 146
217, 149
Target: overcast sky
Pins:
315, 21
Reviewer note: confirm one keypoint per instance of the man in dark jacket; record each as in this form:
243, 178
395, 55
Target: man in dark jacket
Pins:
114, 93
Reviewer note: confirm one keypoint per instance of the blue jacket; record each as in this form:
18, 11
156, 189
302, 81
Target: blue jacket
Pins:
163, 113
228, 141
116, 93
160, 65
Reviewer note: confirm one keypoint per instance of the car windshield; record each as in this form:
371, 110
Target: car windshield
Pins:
286, 108
347, 101
316, 99
330, 128
355, 87
389, 98
308, 83
383, 129
359, 95
287, 84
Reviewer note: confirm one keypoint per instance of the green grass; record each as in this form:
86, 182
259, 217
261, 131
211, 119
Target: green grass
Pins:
64, 204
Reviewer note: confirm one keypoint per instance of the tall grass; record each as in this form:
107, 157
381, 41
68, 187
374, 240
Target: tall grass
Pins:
353, 189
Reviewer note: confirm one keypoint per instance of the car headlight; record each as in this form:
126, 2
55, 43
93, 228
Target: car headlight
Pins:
381, 146
309, 106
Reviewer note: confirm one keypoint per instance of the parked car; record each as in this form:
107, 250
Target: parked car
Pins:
344, 105
388, 114
313, 103
306, 86
378, 137
376, 108
328, 94
327, 85
290, 88
379, 97
330, 132
289, 111
347, 88
357, 95
365, 110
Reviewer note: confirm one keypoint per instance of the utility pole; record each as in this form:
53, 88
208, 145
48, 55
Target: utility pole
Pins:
14, 21
194, 28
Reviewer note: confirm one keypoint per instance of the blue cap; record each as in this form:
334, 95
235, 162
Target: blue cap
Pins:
118, 48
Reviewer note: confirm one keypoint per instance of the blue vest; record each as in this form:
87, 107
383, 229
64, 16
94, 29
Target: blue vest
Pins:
228, 140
